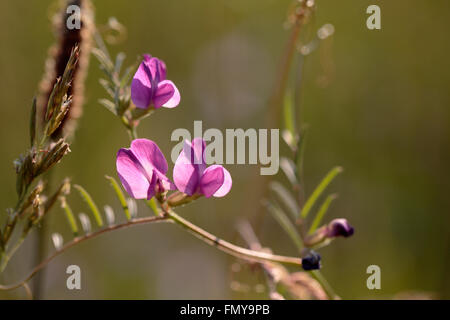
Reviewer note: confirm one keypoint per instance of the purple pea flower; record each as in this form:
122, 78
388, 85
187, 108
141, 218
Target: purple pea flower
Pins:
150, 87
339, 228
191, 176
142, 169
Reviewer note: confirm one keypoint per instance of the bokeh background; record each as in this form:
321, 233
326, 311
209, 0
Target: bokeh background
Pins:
376, 102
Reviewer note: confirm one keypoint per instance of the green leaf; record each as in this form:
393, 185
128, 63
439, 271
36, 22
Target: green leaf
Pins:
101, 44
107, 73
119, 62
289, 113
107, 86
120, 196
300, 153
139, 114
321, 213
91, 204
285, 196
126, 77
33, 123
285, 223
108, 105
319, 190
288, 167
104, 60
69, 215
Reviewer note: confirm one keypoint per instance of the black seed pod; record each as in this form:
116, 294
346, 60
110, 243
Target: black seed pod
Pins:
311, 261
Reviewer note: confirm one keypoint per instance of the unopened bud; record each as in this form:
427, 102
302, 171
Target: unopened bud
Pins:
179, 198
339, 228
326, 233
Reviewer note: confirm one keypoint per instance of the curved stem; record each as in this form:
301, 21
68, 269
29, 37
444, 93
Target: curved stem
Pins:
79, 240
8, 256
234, 250
169, 216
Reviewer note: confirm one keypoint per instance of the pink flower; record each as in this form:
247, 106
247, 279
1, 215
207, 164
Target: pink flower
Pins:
191, 175
142, 169
150, 87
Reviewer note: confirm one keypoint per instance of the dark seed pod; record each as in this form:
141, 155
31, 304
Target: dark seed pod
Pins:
311, 261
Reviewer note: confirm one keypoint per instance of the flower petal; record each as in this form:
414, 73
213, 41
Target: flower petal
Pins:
186, 175
141, 86
152, 186
167, 184
227, 183
198, 146
156, 67
211, 180
132, 174
166, 95
149, 155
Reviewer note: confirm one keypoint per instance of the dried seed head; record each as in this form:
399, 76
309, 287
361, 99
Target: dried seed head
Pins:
59, 56
311, 261
25, 169
32, 198
53, 155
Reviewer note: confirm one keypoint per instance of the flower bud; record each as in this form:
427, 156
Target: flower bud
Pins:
339, 228
325, 234
179, 198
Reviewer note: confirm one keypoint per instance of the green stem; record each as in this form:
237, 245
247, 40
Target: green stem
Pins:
133, 133
152, 205
239, 252
316, 274
79, 240
277, 97
169, 216
120, 196
6, 257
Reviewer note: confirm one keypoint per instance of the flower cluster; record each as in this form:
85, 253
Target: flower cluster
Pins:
142, 168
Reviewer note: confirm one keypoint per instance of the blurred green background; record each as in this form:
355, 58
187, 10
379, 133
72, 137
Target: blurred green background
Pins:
376, 103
